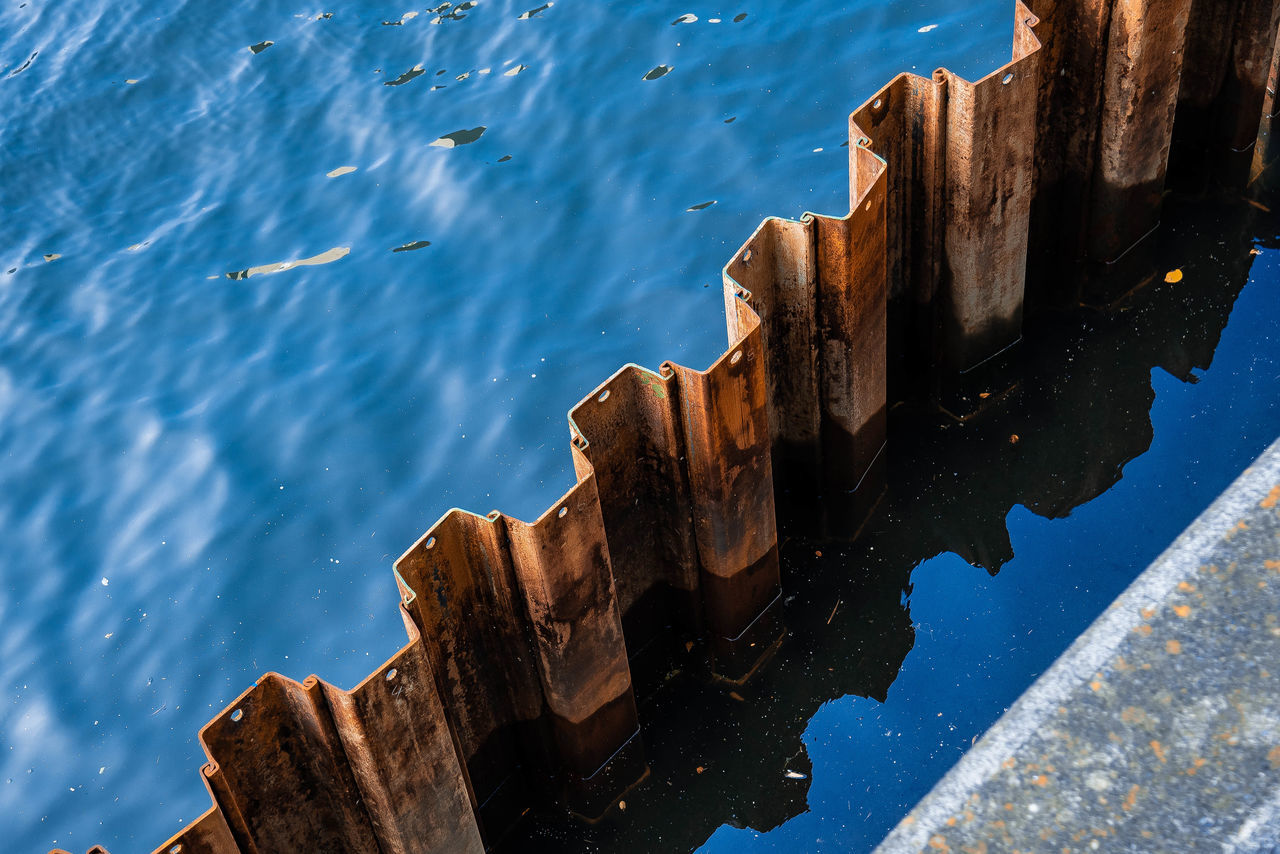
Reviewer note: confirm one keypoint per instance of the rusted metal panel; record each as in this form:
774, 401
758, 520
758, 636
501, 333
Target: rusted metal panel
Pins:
208, 834
903, 125
627, 433
562, 562
278, 772
460, 588
727, 443
402, 755
1139, 97
990, 161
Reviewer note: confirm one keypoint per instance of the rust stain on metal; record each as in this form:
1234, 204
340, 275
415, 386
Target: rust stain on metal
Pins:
966, 203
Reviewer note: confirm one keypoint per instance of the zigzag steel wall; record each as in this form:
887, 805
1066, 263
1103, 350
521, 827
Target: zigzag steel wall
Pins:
967, 201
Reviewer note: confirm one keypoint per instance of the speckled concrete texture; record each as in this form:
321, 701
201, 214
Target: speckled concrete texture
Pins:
1159, 728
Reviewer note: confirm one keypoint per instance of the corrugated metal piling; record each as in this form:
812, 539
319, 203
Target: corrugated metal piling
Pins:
970, 204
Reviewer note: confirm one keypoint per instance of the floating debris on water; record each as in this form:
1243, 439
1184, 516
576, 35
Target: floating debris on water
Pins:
685, 19
524, 16
504, 158
416, 71
409, 247
323, 258
702, 206
512, 72
52, 256
658, 71
131, 81
927, 29
459, 137
796, 775
738, 19
730, 120
260, 47
340, 171
1173, 276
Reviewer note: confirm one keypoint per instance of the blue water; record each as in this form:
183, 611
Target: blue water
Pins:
204, 476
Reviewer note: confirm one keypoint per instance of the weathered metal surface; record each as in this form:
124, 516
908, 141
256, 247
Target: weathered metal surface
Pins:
1139, 96
1229, 47
516, 687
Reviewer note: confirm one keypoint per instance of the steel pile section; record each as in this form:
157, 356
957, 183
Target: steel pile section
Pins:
1229, 47
515, 687
208, 834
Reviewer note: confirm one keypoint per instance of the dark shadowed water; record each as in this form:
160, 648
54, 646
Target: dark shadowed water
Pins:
210, 451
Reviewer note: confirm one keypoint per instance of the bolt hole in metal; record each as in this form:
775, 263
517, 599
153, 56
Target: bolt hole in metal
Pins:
735, 358
1008, 78
237, 715
746, 257
431, 542
564, 511
877, 104
175, 849
604, 395
391, 674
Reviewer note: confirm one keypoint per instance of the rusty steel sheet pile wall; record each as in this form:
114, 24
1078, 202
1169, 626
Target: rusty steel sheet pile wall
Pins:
967, 202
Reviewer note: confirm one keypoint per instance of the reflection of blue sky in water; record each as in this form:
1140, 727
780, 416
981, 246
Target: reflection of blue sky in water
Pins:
242, 458
976, 635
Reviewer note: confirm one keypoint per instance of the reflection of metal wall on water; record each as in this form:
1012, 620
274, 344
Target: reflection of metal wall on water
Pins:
971, 204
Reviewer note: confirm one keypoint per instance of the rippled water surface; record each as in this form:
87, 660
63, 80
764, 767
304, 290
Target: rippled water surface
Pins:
280, 284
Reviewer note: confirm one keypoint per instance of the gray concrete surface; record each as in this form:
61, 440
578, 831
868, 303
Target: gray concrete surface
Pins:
1159, 728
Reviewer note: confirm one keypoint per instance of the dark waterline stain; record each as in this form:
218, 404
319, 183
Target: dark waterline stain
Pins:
258, 48
409, 247
460, 137
416, 71
658, 71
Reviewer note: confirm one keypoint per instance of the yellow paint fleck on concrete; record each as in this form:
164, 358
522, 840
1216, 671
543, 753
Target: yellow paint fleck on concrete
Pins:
1158, 749
1173, 647
1009, 763
1183, 611
1274, 757
1095, 685
1272, 564
938, 843
1144, 630
1272, 499
1186, 587
1196, 765
1148, 613
1121, 664
1040, 780
1133, 715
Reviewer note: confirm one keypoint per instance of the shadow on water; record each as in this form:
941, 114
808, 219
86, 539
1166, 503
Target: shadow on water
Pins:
1080, 411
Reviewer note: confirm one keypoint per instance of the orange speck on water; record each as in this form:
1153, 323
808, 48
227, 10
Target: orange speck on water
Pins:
1272, 499
1173, 277
1131, 798
1173, 647
1158, 748
1183, 611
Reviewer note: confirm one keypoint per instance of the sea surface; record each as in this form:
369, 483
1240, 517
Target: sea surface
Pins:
280, 284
